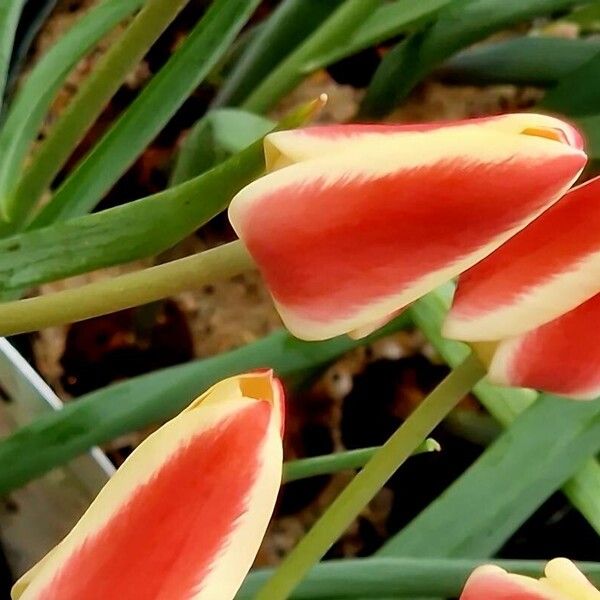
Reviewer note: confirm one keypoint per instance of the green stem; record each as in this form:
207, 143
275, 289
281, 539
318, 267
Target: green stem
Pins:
398, 577
341, 461
334, 31
89, 102
125, 291
347, 506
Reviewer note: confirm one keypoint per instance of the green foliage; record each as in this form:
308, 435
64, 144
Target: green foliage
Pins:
29, 107
546, 441
459, 24
383, 577
289, 24
214, 138
101, 416
525, 60
131, 231
504, 404
87, 105
142, 121
9, 19
545, 446
586, 80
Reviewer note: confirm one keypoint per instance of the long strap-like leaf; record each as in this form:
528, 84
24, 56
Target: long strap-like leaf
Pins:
101, 416
505, 404
29, 107
10, 11
460, 23
89, 102
142, 121
395, 577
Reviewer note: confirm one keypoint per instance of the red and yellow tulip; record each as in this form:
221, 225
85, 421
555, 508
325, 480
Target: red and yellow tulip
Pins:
538, 295
184, 515
562, 581
354, 222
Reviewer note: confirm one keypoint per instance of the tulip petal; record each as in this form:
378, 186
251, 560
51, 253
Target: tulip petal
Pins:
283, 148
493, 583
547, 269
566, 578
561, 357
347, 238
184, 515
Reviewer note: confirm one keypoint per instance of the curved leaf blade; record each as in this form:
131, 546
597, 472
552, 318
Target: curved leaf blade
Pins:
411, 577
27, 110
284, 30
459, 24
387, 21
9, 20
578, 93
142, 121
101, 416
525, 60
86, 106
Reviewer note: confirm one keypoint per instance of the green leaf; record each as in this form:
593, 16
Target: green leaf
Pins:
87, 105
396, 577
289, 72
545, 446
9, 19
30, 105
587, 17
214, 138
387, 21
134, 230
459, 24
591, 130
526, 60
33, 17
101, 416
151, 110
289, 24
505, 404
578, 93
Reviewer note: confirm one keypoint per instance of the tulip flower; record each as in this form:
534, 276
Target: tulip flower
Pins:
184, 515
546, 270
562, 581
354, 222
538, 295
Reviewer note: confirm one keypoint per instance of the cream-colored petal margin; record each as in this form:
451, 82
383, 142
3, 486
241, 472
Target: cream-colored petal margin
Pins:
283, 148
566, 578
219, 403
560, 294
232, 564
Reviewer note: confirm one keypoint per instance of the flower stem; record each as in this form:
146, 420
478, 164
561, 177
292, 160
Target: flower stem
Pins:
125, 291
341, 461
347, 506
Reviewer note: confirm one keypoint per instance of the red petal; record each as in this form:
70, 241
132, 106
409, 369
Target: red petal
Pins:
547, 269
561, 357
162, 542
